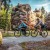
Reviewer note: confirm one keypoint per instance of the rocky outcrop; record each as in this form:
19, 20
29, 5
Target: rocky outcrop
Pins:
0, 38
40, 45
20, 12
16, 47
48, 21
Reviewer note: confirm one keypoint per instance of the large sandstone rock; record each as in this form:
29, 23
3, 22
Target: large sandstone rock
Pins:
20, 12
48, 21
16, 47
0, 38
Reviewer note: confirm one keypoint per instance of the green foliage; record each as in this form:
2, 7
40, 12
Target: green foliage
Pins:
2, 23
5, 17
6, 3
42, 10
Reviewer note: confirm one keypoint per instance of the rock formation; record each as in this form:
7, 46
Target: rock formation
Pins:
16, 47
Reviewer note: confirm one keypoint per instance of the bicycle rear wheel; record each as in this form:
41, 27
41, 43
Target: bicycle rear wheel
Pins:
27, 33
34, 33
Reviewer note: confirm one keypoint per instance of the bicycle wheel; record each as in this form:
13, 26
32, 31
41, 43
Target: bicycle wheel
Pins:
17, 33
28, 33
34, 33
44, 33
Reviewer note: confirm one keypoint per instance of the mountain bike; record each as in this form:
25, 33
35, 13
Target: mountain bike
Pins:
36, 31
20, 33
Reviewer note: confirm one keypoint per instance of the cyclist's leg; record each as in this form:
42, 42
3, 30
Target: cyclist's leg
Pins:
35, 28
23, 31
40, 29
45, 27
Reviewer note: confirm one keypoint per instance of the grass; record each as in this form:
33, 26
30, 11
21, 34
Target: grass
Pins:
7, 35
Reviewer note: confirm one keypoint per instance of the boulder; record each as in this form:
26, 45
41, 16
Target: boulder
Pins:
0, 38
16, 47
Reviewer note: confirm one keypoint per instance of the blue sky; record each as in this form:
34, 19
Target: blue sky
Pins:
34, 3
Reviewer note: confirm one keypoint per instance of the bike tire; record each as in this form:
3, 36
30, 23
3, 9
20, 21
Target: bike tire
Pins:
17, 33
34, 34
27, 33
44, 33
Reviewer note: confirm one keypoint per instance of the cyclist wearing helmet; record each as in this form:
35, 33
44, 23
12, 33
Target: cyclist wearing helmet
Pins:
22, 27
39, 24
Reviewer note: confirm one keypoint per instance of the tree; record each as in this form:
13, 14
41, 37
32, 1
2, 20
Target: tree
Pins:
6, 4
42, 10
35, 9
43, 14
3, 22
5, 14
2, 17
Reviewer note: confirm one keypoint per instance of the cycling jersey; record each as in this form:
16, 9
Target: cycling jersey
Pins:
22, 25
39, 23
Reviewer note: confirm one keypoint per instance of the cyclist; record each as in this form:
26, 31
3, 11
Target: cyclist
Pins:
39, 25
22, 27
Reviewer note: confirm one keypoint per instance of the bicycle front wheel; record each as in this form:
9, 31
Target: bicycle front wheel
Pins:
44, 33
17, 33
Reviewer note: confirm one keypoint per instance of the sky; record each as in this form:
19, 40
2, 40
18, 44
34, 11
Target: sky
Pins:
34, 3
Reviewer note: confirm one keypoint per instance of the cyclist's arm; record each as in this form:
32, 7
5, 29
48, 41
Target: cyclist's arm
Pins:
38, 24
